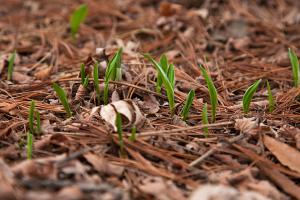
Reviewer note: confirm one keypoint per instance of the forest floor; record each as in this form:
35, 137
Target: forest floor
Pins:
244, 156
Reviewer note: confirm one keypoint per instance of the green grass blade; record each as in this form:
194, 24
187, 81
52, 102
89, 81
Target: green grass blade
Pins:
29, 145
120, 133
248, 96
171, 75
166, 82
31, 117
204, 117
96, 82
164, 65
295, 67
270, 98
82, 73
38, 123
77, 17
132, 137
11, 62
188, 104
86, 82
63, 98
112, 72
212, 93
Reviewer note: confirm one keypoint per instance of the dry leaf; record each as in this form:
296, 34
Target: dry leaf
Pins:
220, 192
150, 105
287, 155
131, 114
6, 107
20, 77
43, 73
246, 125
103, 166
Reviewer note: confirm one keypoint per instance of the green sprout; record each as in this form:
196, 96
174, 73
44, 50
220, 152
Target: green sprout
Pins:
113, 72
120, 133
270, 98
86, 82
212, 93
164, 65
82, 73
96, 82
10, 69
205, 119
63, 98
295, 67
29, 145
132, 137
187, 105
168, 84
77, 17
31, 119
171, 75
248, 96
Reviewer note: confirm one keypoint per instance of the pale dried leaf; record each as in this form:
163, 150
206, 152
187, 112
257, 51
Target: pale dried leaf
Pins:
131, 114
287, 155
246, 125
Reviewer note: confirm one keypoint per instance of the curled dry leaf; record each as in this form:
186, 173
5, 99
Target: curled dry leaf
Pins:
220, 192
246, 125
131, 114
287, 155
150, 105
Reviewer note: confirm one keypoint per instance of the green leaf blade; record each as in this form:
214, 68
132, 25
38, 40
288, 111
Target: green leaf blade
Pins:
96, 82
295, 67
29, 146
77, 17
212, 93
248, 96
188, 104
82, 73
168, 86
11, 62
63, 98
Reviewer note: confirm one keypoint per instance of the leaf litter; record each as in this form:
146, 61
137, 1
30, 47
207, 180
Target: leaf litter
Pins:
252, 155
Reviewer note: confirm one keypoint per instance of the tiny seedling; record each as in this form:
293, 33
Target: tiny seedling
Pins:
132, 137
187, 105
248, 96
82, 73
86, 82
10, 69
38, 129
212, 93
113, 72
171, 75
96, 82
63, 98
270, 98
295, 67
77, 17
205, 119
29, 145
164, 65
169, 85
120, 133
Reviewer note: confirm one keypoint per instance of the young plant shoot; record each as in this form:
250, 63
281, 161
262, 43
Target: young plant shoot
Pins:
29, 146
132, 137
63, 98
77, 17
270, 98
82, 73
295, 67
212, 93
96, 82
164, 65
169, 85
11, 62
113, 72
187, 105
31, 114
248, 96
120, 133
205, 119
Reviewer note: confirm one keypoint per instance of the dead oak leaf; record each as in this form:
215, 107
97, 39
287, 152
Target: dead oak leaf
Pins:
246, 125
287, 155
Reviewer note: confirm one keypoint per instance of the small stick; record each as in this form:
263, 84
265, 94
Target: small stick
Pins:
213, 150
